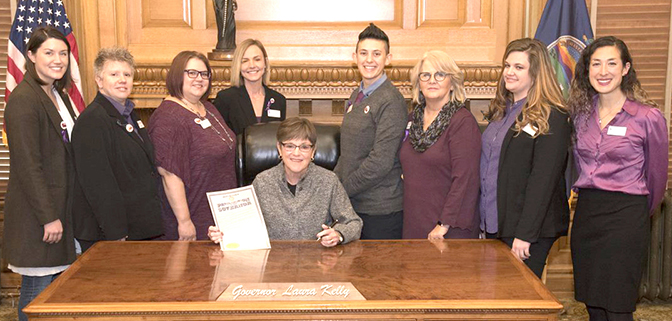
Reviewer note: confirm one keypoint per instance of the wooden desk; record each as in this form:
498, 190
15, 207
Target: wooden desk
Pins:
404, 280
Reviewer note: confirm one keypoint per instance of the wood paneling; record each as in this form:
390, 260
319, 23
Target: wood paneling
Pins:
162, 13
317, 12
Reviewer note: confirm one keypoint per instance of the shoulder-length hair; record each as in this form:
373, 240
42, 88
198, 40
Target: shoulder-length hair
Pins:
582, 92
40, 35
441, 61
236, 77
175, 77
543, 95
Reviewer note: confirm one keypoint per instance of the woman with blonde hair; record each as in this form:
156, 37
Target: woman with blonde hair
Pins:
621, 157
249, 100
524, 155
440, 155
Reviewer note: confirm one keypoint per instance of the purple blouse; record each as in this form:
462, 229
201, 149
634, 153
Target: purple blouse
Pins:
629, 155
199, 156
492, 140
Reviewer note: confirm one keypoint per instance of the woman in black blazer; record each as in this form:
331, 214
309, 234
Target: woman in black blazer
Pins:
117, 195
38, 239
524, 155
249, 101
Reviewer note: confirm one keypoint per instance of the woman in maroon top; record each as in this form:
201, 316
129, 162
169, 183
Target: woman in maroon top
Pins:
621, 156
194, 148
440, 155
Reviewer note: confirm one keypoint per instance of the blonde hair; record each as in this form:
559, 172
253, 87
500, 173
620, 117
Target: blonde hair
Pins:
543, 95
236, 77
441, 61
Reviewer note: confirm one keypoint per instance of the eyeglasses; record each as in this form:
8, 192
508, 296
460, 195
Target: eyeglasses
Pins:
438, 76
192, 73
290, 148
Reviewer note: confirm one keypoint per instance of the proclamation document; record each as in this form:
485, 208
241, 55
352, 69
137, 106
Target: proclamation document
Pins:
238, 215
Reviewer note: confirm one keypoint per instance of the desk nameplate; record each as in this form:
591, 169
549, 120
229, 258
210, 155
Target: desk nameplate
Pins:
299, 291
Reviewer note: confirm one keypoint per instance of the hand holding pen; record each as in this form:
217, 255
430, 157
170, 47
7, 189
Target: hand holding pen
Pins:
329, 237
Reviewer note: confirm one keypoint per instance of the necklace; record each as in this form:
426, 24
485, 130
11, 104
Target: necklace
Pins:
600, 118
620, 103
228, 143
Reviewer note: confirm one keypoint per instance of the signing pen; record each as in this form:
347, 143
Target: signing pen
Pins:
330, 226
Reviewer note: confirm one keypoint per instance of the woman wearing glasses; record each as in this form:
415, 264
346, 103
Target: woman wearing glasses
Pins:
524, 154
194, 149
248, 100
440, 155
300, 200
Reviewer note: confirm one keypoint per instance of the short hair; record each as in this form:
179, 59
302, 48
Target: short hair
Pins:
297, 128
175, 77
373, 32
112, 54
236, 77
441, 61
40, 35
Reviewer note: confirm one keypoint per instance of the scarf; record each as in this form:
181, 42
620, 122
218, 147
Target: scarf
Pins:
420, 140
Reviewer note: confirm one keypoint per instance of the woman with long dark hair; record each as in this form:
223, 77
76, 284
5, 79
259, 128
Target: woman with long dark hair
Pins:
38, 237
524, 156
621, 156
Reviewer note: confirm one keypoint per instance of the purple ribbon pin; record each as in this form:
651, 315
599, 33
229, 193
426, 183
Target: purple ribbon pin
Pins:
270, 102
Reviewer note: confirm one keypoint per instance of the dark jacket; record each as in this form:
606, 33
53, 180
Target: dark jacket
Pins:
117, 194
235, 106
40, 180
531, 192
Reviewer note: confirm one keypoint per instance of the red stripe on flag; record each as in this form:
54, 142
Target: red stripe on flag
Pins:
73, 45
76, 97
15, 72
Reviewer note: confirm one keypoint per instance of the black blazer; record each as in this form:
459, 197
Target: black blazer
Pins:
236, 107
117, 194
41, 179
531, 192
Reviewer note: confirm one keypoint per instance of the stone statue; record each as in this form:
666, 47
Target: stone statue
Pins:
226, 24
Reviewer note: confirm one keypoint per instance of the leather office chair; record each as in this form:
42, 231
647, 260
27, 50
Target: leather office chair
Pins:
257, 152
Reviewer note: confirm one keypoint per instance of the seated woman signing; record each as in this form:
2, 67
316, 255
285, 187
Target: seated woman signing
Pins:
300, 200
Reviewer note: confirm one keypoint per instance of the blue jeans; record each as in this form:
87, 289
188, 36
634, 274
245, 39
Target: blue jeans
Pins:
31, 287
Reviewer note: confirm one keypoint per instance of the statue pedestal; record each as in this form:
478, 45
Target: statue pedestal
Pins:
221, 54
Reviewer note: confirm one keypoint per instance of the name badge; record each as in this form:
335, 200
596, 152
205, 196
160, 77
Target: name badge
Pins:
140, 124
616, 130
205, 123
530, 130
274, 113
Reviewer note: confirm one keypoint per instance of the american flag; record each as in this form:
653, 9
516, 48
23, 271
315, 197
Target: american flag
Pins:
30, 15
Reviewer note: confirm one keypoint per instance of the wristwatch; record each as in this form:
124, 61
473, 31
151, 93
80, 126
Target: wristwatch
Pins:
439, 223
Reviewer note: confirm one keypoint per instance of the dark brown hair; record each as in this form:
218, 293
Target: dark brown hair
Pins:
543, 95
297, 128
582, 92
175, 77
40, 35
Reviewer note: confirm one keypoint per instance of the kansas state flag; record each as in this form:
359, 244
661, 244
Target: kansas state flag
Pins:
565, 29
